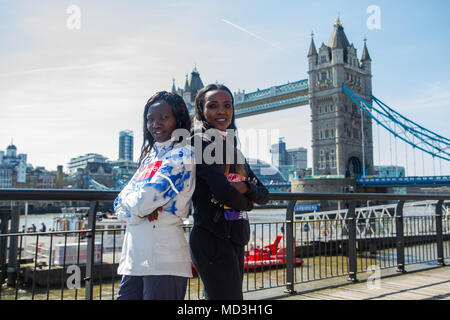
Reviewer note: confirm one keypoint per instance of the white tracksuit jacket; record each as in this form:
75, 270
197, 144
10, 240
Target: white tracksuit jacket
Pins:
165, 179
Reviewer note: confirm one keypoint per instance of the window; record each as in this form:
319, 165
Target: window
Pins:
348, 132
332, 159
322, 160
323, 76
323, 59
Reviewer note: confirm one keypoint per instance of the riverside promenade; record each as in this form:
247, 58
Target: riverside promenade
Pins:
428, 284
432, 283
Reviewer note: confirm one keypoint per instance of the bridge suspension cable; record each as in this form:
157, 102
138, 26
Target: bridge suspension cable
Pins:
404, 129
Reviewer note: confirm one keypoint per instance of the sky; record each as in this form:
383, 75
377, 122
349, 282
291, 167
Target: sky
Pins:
73, 74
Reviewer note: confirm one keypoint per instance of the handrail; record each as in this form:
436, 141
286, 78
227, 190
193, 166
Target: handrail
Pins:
56, 194
357, 196
96, 195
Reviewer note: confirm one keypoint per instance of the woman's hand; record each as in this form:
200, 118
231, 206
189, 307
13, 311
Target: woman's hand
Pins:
154, 215
253, 181
242, 187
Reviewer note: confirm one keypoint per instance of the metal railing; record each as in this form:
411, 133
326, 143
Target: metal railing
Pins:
82, 264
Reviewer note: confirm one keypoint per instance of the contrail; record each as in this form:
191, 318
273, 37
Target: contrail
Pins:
253, 35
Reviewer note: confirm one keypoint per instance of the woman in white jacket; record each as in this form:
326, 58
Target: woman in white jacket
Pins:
155, 262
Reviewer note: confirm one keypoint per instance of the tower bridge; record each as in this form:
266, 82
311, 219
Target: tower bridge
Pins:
337, 146
339, 92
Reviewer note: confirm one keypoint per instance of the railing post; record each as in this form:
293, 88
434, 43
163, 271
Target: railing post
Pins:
90, 235
13, 247
400, 237
5, 214
290, 247
352, 266
439, 234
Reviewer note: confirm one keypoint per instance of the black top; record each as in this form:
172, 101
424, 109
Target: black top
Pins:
211, 182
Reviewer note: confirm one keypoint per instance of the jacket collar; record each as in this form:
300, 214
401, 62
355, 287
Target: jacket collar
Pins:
163, 147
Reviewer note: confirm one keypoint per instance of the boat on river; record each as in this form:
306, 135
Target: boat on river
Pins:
269, 256
109, 230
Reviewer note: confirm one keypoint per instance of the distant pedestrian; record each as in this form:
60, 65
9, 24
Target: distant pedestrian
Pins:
43, 228
23, 229
33, 228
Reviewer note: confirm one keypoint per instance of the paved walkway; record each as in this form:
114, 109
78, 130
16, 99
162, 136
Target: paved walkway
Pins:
432, 284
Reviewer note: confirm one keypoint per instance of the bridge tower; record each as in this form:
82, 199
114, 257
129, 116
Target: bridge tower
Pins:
338, 146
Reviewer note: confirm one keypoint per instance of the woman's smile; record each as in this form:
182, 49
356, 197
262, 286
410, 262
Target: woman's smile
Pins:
218, 110
160, 121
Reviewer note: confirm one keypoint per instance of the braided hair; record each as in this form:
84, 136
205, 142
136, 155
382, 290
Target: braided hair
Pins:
180, 113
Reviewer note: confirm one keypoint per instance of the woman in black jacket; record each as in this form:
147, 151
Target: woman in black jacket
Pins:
225, 189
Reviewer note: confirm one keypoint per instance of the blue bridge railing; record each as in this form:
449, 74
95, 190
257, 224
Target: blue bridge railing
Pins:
404, 181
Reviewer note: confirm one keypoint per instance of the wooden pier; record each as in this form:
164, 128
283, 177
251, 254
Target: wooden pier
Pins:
55, 276
430, 284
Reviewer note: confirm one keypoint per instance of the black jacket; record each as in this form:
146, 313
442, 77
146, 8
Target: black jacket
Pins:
211, 182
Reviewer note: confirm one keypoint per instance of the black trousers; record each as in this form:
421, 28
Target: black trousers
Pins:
219, 263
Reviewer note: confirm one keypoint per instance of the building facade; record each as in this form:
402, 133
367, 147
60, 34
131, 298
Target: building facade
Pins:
342, 142
389, 171
13, 167
191, 86
126, 146
265, 172
288, 160
82, 161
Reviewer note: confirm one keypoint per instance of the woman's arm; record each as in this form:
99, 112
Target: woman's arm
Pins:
257, 192
155, 185
122, 211
222, 190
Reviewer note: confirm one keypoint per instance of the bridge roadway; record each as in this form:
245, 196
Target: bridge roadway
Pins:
275, 98
404, 181
425, 181
421, 283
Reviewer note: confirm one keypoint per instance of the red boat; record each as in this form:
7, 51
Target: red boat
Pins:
268, 256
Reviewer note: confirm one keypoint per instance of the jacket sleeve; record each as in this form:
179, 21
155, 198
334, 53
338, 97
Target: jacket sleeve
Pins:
258, 193
222, 190
120, 210
124, 214
153, 189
